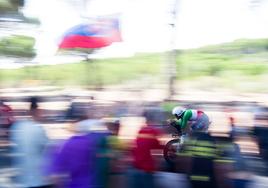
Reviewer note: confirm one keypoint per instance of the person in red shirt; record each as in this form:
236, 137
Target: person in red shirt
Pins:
6, 118
144, 163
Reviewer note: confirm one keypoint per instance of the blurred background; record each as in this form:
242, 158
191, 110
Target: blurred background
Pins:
112, 60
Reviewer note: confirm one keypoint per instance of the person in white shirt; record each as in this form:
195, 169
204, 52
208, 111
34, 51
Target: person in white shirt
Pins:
29, 143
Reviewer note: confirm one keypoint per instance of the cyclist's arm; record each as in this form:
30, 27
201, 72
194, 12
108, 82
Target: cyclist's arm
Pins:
187, 115
177, 123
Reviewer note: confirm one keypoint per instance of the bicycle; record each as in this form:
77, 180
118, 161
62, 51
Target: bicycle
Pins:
174, 146
171, 149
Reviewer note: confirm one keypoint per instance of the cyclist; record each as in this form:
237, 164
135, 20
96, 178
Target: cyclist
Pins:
188, 120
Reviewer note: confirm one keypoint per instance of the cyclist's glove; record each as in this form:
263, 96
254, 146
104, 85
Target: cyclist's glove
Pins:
173, 123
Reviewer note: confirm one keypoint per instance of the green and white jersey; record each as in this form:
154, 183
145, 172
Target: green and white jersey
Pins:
189, 115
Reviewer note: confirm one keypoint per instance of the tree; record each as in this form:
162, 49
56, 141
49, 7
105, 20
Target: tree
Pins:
17, 46
10, 5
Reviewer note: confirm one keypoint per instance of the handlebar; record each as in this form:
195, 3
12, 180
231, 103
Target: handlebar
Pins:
172, 123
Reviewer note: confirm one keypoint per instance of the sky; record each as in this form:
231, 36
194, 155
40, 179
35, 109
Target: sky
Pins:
145, 24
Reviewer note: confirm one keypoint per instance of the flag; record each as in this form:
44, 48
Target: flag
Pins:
98, 33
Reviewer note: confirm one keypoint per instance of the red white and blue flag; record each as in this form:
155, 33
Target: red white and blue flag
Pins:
100, 33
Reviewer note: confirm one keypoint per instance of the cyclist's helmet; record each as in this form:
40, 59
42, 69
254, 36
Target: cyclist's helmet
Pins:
177, 111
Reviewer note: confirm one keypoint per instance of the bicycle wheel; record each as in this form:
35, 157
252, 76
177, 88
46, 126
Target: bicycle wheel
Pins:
170, 150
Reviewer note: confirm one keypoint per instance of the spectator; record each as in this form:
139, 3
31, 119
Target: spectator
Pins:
6, 119
144, 164
30, 141
116, 153
78, 157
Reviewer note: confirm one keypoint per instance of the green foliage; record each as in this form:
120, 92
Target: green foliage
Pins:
110, 71
168, 106
227, 65
18, 46
204, 62
6, 5
10, 5
236, 48
241, 65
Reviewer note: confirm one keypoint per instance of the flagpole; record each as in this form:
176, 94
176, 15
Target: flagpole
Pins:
93, 68
172, 55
